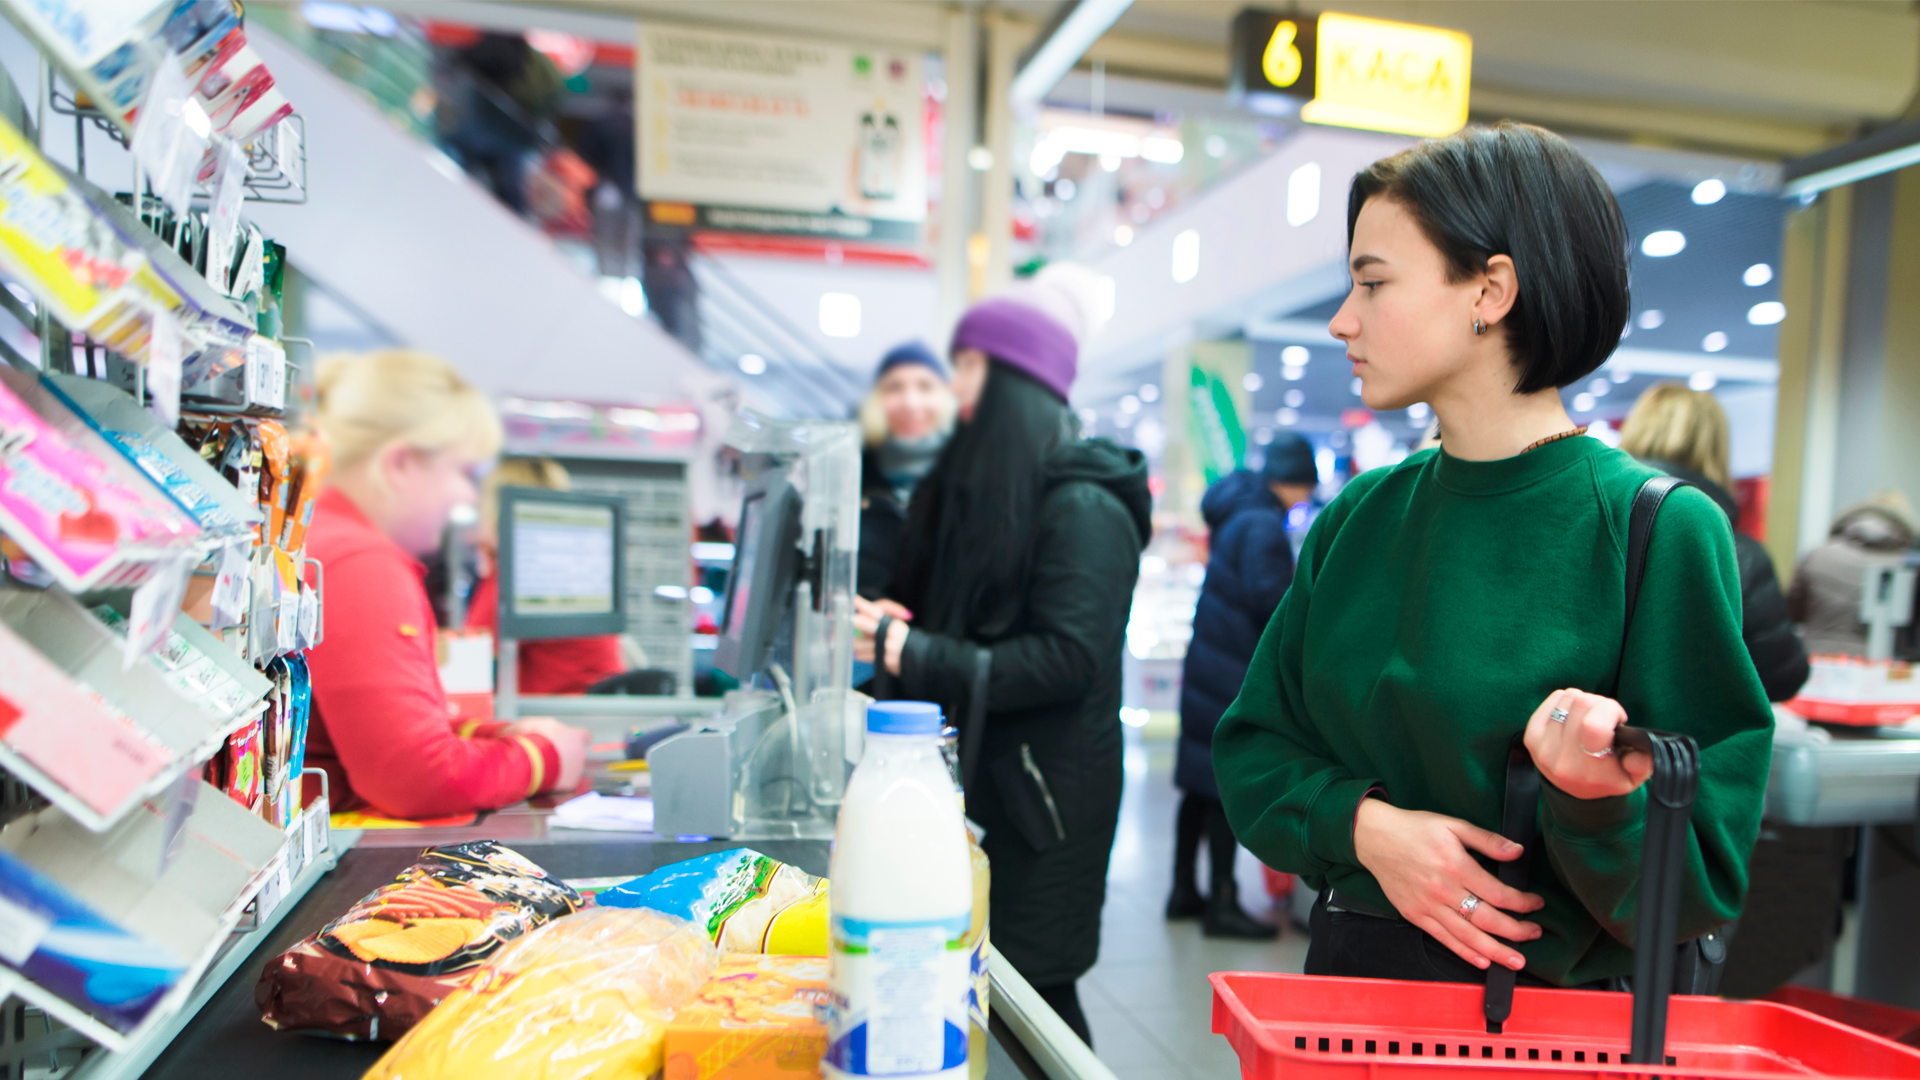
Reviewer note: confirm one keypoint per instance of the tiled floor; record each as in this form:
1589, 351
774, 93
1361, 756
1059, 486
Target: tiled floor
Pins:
1148, 1000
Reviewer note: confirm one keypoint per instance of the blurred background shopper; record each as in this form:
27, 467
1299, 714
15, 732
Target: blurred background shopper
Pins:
1022, 548
1683, 433
904, 421
1447, 605
409, 437
1249, 566
1825, 596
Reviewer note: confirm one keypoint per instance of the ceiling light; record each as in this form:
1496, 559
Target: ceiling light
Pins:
1287, 417
1356, 386
753, 365
1599, 387
1703, 381
1714, 342
1103, 299
1296, 398
1619, 375
1252, 382
1149, 393
1583, 403
1709, 191
1660, 245
1295, 356
1293, 372
1303, 194
1263, 436
1652, 318
1122, 235
1064, 188
1766, 313
1088, 418
840, 315
1110, 162
979, 159
1129, 404
633, 297
1186, 256
1757, 275
1419, 410
1216, 146
1162, 150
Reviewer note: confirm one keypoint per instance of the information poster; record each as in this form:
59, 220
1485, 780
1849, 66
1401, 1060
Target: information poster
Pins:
780, 135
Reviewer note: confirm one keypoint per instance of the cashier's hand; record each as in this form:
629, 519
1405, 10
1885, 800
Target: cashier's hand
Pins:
1423, 865
570, 743
1564, 751
866, 621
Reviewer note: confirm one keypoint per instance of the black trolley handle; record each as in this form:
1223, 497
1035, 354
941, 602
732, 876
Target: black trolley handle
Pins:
1670, 791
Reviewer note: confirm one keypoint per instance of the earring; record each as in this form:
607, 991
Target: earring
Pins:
1479, 327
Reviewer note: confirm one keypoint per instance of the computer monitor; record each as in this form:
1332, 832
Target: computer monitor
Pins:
766, 557
563, 567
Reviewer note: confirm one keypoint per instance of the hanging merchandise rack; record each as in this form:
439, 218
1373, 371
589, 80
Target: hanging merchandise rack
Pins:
154, 593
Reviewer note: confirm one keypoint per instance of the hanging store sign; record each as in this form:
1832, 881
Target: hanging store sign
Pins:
1213, 424
777, 135
1355, 72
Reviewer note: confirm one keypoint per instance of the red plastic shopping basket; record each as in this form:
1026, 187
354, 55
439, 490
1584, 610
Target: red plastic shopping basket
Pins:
1303, 1027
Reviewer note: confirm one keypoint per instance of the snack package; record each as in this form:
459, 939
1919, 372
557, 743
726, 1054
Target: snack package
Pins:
275, 484
584, 996
374, 972
748, 902
758, 1018
312, 459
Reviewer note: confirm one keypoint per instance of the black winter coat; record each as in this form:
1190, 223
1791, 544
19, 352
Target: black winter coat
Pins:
883, 526
1778, 654
1248, 571
1046, 786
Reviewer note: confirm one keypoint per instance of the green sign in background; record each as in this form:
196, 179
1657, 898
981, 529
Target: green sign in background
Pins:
1213, 424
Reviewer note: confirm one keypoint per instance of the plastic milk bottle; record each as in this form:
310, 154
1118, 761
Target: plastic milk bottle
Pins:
902, 907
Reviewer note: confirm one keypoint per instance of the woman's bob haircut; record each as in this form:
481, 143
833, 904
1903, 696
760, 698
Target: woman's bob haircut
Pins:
1523, 192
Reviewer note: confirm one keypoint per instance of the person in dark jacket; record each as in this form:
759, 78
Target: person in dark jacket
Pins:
1022, 549
904, 422
1248, 571
1683, 433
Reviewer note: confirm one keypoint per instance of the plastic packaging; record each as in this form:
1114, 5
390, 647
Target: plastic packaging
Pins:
377, 970
748, 902
588, 996
758, 1018
902, 902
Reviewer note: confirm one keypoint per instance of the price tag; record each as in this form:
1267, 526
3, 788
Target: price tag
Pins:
170, 135
150, 615
287, 626
260, 613
309, 617
322, 826
223, 217
180, 800
163, 368
230, 584
266, 375
297, 847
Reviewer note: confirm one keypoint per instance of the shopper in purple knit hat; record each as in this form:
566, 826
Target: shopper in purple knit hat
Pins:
1009, 609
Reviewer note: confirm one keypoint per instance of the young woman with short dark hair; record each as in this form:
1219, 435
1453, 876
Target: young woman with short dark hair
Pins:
1476, 591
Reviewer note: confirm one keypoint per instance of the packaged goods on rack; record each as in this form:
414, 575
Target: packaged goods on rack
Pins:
748, 902
587, 995
110, 923
377, 970
1859, 692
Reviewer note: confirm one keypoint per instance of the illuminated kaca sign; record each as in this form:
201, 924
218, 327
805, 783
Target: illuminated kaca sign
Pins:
1354, 72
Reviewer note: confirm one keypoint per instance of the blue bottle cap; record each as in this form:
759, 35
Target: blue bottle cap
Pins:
903, 718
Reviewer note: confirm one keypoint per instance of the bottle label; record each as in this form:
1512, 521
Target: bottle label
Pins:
901, 992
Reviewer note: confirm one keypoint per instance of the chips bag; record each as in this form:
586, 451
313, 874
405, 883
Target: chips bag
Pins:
587, 997
377, 970
748, 902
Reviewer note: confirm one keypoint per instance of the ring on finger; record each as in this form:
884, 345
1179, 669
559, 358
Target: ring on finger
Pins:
1559, 714
1469, 905
1607, 753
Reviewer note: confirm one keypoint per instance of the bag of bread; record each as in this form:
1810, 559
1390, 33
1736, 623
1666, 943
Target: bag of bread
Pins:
748, 902
375, 971
587, 997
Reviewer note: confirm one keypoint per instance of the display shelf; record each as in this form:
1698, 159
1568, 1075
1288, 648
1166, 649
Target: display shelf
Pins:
276, 158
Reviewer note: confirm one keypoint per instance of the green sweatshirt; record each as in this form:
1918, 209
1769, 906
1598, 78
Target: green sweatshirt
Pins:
1436, 604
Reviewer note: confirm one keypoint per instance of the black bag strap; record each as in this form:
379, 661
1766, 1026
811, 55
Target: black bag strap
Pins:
976, 726
1520, 816
882, 678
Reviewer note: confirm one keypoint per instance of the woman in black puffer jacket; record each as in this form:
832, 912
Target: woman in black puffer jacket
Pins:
1017, 574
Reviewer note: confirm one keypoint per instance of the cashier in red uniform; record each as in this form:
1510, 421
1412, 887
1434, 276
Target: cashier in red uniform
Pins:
549, 665
409, 437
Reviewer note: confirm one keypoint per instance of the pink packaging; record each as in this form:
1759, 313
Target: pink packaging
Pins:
78, 741
79, 509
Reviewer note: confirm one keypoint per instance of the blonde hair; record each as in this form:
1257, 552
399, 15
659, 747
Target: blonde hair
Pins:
872, 414
371, 400
1684, 427
518, 472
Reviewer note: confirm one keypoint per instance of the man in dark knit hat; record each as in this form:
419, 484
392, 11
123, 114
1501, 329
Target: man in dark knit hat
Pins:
1248, 571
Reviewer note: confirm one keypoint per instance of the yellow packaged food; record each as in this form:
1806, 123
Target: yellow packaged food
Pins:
758, 1018
586, 997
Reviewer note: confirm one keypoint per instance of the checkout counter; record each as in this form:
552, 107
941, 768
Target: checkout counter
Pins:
763, 768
